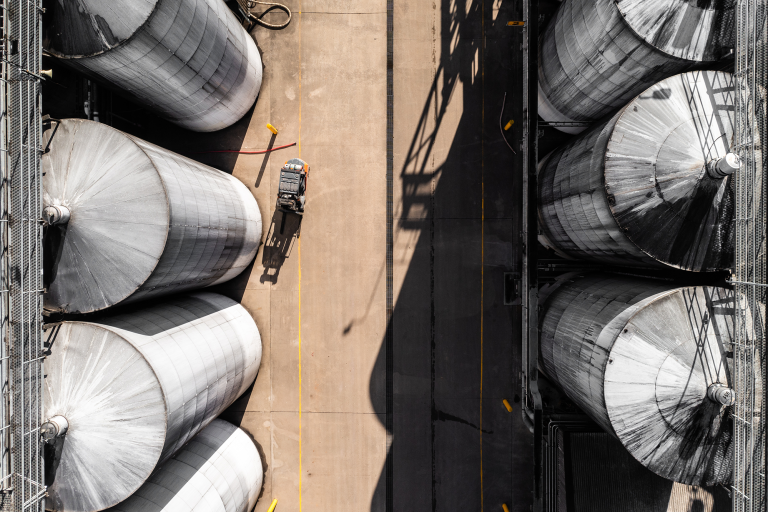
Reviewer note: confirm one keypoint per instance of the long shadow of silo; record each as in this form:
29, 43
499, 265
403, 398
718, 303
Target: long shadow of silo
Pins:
451, 340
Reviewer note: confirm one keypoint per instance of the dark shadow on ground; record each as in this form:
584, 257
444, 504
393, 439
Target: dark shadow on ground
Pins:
281, 236
446, 454
265, 160
235, 287
597, 474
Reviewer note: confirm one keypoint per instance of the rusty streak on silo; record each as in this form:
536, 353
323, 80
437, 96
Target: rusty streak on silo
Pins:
189, 60
219, 470
653, 185
135, 387
649, 362
596, 55
129, 220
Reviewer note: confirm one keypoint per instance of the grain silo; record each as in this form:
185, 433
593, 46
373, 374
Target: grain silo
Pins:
190, 60
129, 220
127, 391
596, 55
651, 186
649, 362
219, 470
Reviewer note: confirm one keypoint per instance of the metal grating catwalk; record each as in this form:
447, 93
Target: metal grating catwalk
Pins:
21, 365
750, 273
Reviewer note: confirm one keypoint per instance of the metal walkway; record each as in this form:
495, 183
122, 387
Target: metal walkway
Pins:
21, 366
749, 492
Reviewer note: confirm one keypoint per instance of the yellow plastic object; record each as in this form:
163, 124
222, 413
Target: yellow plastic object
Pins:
505, 507
515, 23
507, 405
274, 502
509, 124
272, 128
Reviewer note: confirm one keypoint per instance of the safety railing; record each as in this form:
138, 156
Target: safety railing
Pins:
22, 486
750, 279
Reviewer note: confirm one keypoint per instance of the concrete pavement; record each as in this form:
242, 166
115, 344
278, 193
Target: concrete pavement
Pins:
320, 407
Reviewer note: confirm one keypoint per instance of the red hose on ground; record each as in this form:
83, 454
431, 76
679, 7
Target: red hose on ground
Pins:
260, 152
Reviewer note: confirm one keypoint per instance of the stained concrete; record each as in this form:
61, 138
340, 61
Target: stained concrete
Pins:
318, 291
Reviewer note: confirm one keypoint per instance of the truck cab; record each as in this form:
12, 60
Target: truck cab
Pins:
291, 191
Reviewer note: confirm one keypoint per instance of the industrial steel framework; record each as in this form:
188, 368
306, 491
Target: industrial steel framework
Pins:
22, 486
751, 280
529, 374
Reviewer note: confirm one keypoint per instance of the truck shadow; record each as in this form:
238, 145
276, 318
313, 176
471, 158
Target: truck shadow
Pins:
284, 230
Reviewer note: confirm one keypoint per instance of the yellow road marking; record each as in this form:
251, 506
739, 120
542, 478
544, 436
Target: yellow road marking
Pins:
301, 472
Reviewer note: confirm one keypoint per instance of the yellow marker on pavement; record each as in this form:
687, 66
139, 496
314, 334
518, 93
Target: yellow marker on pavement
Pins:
515, 23
509, 124
273, 130
505, 507
274, 502
507, 405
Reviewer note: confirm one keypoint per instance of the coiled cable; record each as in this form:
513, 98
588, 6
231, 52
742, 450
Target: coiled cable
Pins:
272, 6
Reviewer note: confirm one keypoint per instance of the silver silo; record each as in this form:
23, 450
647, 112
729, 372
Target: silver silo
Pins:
190, 60
129, 220
219, 470
649, 362
595, 55
653, 185
126, 392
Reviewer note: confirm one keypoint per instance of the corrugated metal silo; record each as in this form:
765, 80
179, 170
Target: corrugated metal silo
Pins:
649, 363
138, 221
219, 470
596, 55
650, 186
190, 60
135, 387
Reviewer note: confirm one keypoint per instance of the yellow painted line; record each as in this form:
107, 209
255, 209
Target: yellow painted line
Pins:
507, 405
301, 471
274, 504
298, 247
482, 235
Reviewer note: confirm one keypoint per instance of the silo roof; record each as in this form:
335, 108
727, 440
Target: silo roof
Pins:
89, 27
682, 28
120, 216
